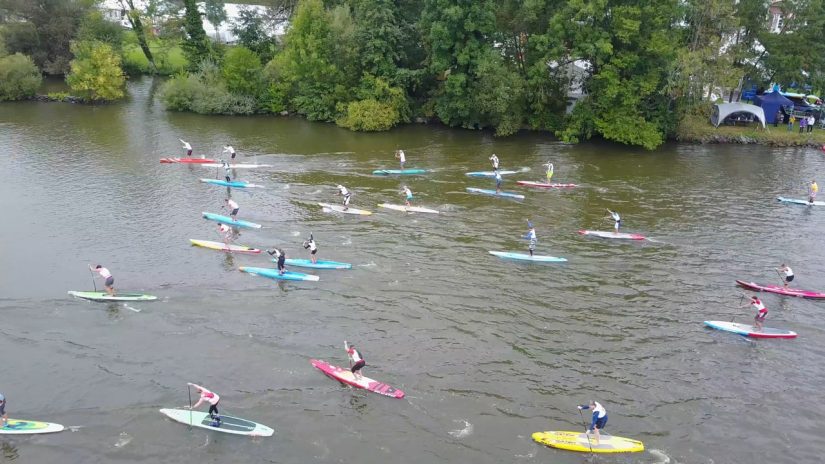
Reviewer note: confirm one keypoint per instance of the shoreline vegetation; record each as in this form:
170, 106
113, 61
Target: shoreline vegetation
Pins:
638, 76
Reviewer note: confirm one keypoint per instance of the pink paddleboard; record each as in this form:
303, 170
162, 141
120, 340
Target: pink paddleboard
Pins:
616, 235
529, 183
781, 290
187, 160
345, 376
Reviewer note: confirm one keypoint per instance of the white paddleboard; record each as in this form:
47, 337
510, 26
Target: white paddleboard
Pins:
340, 209
27, 427
409, 209
235, 166
229, 424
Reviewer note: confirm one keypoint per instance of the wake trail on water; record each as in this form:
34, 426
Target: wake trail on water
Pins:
463, 432
663, 458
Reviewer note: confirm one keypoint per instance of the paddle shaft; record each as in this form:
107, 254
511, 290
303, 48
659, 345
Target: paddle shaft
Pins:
780, 276
189, 390
584, 423
94, 284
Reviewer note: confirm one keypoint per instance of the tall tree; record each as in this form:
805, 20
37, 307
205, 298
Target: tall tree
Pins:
196, 45
216, 14
133, 16
96, 72
253, 32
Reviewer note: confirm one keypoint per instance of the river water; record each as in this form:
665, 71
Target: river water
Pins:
488, 351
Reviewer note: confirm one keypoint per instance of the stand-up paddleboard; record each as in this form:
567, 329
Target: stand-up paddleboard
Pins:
780, 290
340, 209
749, 330
616, 235
274, 274
188, 160
234, 183
119, 296
220, 246
320, 264
229, 424
228, 221
345, 376
526, 257
493, 193
579, 441
529, 183
236, 166
398, 172
796, 201
27, 427
408, 209
488, 173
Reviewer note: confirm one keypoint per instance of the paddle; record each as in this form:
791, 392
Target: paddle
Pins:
780, 276
93, 277
189, 390
584, 423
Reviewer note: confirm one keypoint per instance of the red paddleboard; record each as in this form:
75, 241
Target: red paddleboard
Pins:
345, 376
530, 183
188, 160
781, 290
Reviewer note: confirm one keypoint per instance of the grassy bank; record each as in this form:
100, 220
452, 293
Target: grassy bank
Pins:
696, 128
169, 57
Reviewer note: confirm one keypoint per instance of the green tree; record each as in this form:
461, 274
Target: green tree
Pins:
43, 29
19, 77
242, 71
95, 27
216, 14
196, 45
96, 73
133, 15
251, 28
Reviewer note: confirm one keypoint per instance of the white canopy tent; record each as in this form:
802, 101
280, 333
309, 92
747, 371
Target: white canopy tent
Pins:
723, 110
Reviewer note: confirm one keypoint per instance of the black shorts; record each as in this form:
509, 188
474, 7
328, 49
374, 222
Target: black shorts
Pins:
313, 251
3, 408
234, 212
601, 422
358, 366
110, 281
760, 317
788, 278
213, 408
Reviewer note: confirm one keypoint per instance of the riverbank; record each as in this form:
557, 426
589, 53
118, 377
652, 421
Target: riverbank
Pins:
695, 128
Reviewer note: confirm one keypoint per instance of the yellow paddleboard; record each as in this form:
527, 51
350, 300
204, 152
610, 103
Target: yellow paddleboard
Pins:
578, 441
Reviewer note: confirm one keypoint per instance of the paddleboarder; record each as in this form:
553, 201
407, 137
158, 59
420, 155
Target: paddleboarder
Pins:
229, 149
346, 194
549, 171
408, 195
3, 414
208, 397
233, 208
227, 171
761, 312
599, 420
399, 155
617, 220
109, 280
280, 255
356, 360
494, 160
812, 191
226, 233
531, 235
186, 147
787, 274
309, 244
498, 181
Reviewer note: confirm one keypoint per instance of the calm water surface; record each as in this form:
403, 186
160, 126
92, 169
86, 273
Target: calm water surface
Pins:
488, 351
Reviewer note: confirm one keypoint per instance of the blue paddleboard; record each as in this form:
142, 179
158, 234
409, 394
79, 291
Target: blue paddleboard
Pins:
493, 193
273, 274
228, 221
800, 202
488, 173
398, 172
320, 264
234, 183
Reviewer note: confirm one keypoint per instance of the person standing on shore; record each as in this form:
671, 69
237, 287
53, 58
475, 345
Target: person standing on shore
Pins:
811, 122
803, 121
791, 122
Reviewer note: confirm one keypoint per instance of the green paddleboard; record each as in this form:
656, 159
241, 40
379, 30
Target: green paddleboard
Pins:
103, 296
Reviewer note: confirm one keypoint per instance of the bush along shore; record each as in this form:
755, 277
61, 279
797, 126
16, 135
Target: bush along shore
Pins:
696, 128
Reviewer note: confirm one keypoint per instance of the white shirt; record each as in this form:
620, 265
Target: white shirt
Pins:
758, 305
401, 156
312, 245
615, 218
186, 145
232, 204
354, 355
407, 191
210, 397
787, 271
531, 235
104, 272
229, 149
223, 228
599, 409
344, 190
494, 159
